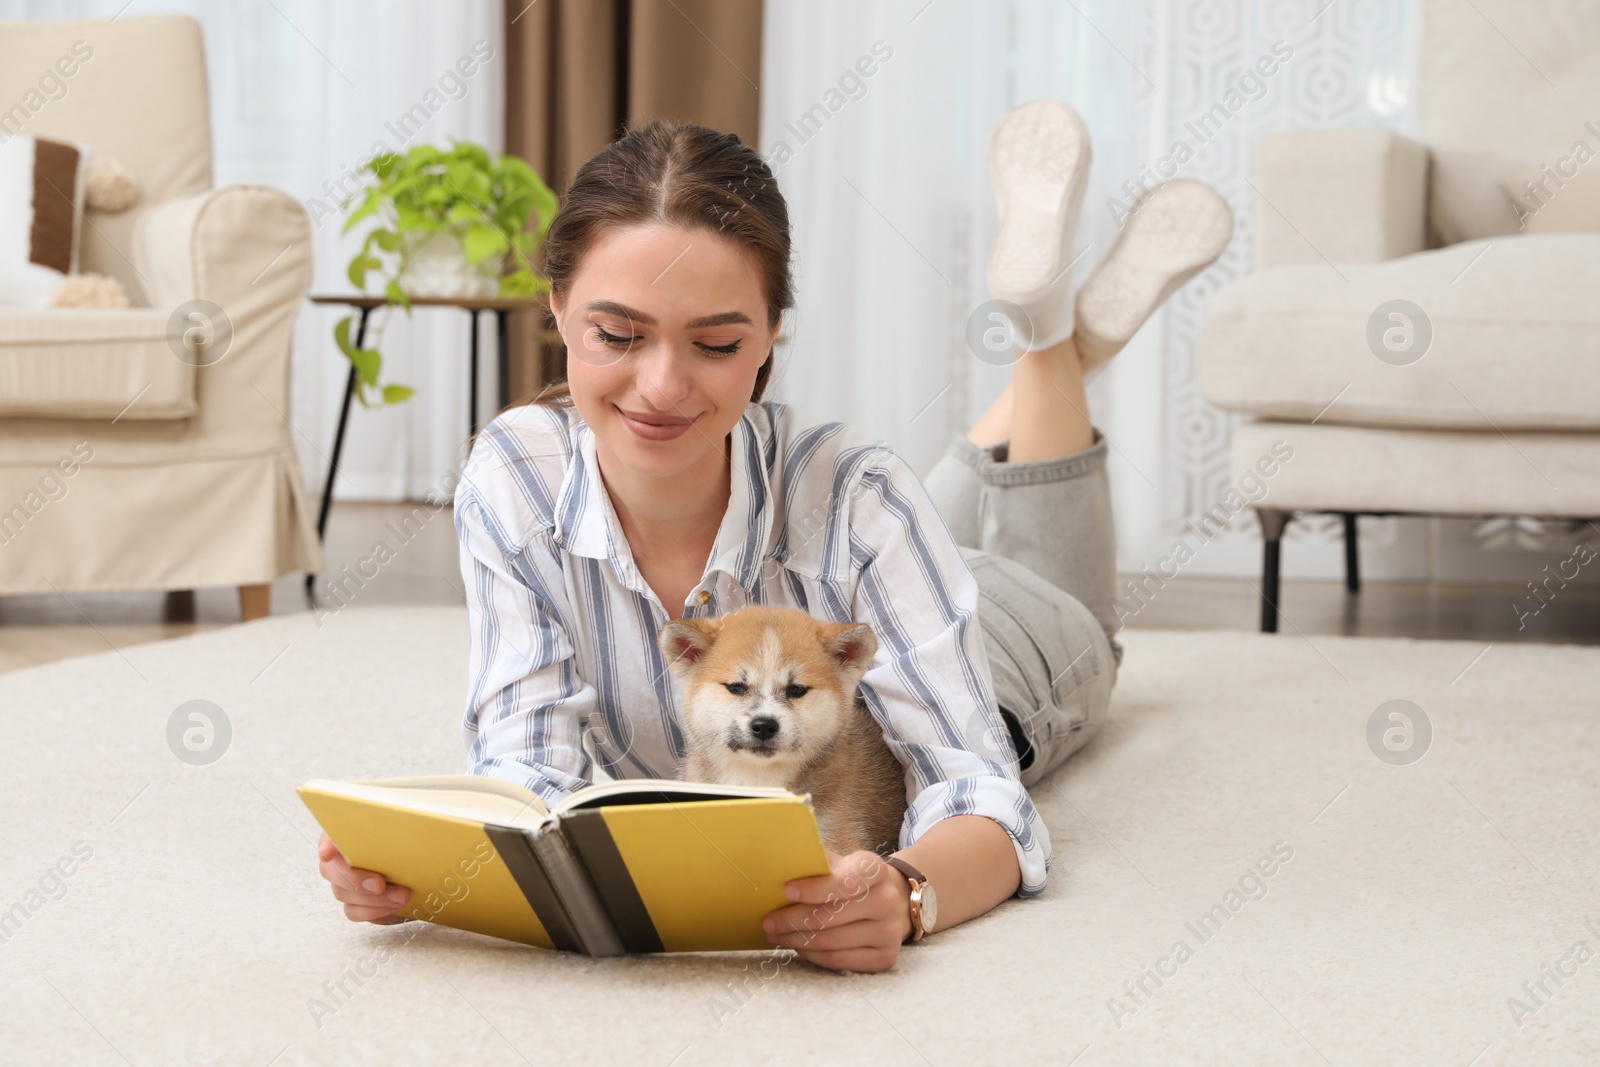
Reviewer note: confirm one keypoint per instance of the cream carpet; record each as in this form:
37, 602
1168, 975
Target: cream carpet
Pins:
1413, 920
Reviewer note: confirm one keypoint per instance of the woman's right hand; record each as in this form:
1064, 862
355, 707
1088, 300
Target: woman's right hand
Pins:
366, 896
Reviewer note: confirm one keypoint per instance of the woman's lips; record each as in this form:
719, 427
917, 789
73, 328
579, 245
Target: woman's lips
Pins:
656, 427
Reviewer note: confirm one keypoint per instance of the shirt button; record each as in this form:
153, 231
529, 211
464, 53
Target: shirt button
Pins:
705, 596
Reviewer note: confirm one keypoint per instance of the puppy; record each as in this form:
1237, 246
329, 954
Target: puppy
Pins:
769, 697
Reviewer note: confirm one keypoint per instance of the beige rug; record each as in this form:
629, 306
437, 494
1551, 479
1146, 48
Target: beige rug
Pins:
1424, 913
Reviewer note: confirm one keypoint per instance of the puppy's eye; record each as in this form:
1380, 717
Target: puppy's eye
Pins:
796, 691
738, 689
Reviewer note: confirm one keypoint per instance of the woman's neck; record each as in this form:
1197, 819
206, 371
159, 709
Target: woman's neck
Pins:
663, 517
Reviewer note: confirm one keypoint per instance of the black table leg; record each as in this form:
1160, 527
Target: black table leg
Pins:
1352, 557
338, 441
1272, 527
500, 317
472, 387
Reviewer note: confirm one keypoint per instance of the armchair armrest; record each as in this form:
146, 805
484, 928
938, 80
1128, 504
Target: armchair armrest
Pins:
246, 249
1343, 196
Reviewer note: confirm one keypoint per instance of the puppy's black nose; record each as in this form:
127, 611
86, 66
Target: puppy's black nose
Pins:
764, 727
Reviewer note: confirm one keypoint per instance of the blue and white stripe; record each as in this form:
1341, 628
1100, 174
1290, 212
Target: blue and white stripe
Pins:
565, 672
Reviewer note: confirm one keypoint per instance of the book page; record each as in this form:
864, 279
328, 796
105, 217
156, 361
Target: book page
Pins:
660, 791
462, 796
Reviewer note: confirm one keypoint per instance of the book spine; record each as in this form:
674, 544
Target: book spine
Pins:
517, 851
571, 883
591, 839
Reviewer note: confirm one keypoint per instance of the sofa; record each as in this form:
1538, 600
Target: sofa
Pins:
1420, 327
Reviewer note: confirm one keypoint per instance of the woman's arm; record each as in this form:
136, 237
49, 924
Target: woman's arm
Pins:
856, 918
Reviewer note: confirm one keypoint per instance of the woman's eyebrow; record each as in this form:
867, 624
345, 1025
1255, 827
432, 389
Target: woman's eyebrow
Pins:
721, 318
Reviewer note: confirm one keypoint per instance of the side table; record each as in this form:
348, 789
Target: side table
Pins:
364, 303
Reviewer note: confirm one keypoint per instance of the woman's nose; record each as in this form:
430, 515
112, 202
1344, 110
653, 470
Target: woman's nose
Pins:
663, 377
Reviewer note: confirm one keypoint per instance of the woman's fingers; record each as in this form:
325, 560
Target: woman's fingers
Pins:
366, 895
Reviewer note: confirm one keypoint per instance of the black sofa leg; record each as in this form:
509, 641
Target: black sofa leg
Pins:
1352, 558
1272, 526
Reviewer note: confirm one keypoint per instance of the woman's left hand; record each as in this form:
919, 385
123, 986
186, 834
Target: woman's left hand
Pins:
851, 920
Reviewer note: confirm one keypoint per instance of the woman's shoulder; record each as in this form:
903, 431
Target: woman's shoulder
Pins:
801, 445
518, 463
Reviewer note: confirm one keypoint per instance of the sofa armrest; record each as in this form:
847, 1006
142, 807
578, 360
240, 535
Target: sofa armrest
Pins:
1341, 196
247, 250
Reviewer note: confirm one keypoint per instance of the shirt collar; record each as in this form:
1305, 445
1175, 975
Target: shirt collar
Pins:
586, 524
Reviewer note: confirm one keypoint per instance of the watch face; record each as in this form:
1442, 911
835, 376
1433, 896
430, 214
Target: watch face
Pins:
930, 909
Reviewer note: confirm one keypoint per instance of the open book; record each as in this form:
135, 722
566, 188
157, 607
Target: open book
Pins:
640, 865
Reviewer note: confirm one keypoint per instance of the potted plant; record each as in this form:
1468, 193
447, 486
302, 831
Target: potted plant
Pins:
449, 222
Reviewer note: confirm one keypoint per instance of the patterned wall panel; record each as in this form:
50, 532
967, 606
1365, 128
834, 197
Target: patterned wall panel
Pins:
1345, 63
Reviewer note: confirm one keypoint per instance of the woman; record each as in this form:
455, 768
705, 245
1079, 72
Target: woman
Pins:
654, 484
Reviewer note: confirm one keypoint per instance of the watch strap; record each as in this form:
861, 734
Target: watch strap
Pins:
918, 880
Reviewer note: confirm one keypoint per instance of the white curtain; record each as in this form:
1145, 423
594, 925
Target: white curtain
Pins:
894, 214
302, 91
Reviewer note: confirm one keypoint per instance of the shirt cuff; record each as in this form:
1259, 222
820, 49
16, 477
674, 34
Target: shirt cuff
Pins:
551, 785
999, 798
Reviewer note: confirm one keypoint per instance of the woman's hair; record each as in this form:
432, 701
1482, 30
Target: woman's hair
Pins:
686, 175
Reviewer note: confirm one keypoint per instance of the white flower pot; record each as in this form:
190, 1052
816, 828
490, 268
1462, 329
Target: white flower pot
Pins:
438, 267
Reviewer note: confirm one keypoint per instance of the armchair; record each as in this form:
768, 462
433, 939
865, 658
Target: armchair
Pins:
129, 459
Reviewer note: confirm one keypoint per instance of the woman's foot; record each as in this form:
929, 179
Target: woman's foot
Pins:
1175, 231
1039, 162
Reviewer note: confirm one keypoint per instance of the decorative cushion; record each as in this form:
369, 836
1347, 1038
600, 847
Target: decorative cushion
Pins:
45, 187
42, 186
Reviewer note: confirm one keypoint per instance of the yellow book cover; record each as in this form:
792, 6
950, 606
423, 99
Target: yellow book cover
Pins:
641, 865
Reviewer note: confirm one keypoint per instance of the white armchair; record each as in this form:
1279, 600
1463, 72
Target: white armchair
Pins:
1419, 353
122, 465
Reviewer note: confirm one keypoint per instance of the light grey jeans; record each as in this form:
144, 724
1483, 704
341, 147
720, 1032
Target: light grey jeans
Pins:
1039, 539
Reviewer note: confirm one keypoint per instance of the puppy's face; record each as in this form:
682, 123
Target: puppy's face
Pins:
765, 689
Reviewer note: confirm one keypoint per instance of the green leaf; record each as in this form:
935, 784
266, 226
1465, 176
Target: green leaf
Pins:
368, 206
397, 295
388, 240
359, 267
394, 394
481, 242
464, 211
367, 362
341, 334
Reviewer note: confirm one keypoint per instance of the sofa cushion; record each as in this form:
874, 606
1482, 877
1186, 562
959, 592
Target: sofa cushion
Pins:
1501, 334
1503, 84
1423, 472
91, 364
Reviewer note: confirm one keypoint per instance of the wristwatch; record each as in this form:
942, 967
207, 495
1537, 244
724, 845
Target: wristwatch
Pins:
924, 902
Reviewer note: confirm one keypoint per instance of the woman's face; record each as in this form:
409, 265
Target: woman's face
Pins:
665, 329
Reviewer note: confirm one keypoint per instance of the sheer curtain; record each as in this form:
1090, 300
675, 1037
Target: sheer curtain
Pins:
301, 92
875, 117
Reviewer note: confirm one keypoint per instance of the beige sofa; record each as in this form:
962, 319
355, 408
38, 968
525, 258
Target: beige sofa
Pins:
130, 459
1421, 348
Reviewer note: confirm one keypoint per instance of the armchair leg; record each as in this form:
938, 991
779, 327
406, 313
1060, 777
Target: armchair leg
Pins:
255, 601
1272, 527
1352, 558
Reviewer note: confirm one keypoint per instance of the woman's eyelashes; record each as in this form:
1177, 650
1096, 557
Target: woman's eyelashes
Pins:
626, 342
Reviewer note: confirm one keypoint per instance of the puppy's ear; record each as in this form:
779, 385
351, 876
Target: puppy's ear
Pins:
685, 642
852, 646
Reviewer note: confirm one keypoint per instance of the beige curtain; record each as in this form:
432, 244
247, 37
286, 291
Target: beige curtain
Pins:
580, 71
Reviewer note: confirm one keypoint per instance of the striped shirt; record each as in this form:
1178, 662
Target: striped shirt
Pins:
565, 672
